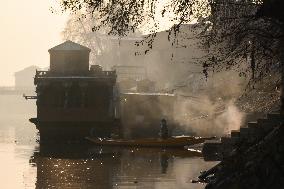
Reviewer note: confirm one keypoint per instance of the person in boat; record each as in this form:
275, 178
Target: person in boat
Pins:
164, 132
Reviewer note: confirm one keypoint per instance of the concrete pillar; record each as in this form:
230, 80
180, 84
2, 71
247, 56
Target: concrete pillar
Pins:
116, 101
67, 86
83, 87
111, 105
282, 76
40, 87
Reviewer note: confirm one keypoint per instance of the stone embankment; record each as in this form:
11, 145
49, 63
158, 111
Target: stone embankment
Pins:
252, 157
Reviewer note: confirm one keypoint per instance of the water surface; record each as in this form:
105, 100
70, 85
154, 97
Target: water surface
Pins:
26, 164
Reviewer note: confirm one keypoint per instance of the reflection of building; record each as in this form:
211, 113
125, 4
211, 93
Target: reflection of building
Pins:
24, 78
106, 168
70, 170
73, 100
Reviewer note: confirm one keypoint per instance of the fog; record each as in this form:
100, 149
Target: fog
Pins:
211, 109
204, 106
28, 30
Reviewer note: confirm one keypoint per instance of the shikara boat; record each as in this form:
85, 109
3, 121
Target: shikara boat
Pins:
179, 141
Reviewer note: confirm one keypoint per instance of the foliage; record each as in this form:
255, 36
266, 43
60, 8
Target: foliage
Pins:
119, 17
237, 34
80, 31
234, 31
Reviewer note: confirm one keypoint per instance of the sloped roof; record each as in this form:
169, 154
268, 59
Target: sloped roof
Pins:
69, 46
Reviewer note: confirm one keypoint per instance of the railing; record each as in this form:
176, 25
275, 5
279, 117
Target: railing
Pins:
41, 73
90, 73
29, 97
108, 73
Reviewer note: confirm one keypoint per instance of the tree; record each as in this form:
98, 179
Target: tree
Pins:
235, 31
237, 35
118, 17
78, 29
272, 10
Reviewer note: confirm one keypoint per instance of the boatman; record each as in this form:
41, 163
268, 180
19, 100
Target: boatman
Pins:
164, 132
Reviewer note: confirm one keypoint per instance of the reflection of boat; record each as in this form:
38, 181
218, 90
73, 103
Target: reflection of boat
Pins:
108, 167
151, 142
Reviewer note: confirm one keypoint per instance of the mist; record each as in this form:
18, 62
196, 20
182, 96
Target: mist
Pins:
203, 106
211, 109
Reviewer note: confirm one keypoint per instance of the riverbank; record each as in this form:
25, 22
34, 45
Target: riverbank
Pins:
258, 166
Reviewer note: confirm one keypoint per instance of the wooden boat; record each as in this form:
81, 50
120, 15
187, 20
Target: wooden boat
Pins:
180, 141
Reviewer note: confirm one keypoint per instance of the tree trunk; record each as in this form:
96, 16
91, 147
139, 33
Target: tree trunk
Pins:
282, 76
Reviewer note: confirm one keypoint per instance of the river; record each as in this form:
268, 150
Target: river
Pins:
26, 164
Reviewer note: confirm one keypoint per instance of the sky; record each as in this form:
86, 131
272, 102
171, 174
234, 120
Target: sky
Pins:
28, 30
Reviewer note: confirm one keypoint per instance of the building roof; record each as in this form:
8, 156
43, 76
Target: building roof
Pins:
69, 46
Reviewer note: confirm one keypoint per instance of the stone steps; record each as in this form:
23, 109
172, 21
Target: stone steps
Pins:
274, 116
235, 133
253, 132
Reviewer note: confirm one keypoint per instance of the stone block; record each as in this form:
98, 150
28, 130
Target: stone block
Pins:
275, 116
229, 141
235, 133
244, 132
252, 125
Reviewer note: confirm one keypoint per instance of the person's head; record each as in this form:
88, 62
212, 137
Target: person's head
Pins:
163, 121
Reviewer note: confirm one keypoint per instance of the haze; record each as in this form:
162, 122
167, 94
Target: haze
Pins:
28, 30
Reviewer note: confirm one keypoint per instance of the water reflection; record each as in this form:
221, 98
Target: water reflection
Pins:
25, 164
164, 158
107, 168
75, 170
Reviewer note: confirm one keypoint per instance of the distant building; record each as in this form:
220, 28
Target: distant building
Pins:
122, 52
24, 79
168, 58
130, 72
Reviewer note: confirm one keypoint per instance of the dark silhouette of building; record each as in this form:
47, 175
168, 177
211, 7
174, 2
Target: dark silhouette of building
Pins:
74, 100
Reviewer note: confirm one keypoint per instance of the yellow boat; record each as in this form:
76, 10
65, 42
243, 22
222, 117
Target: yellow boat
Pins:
179, 141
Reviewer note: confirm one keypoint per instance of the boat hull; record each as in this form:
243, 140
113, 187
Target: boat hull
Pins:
66, 132
150, 142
